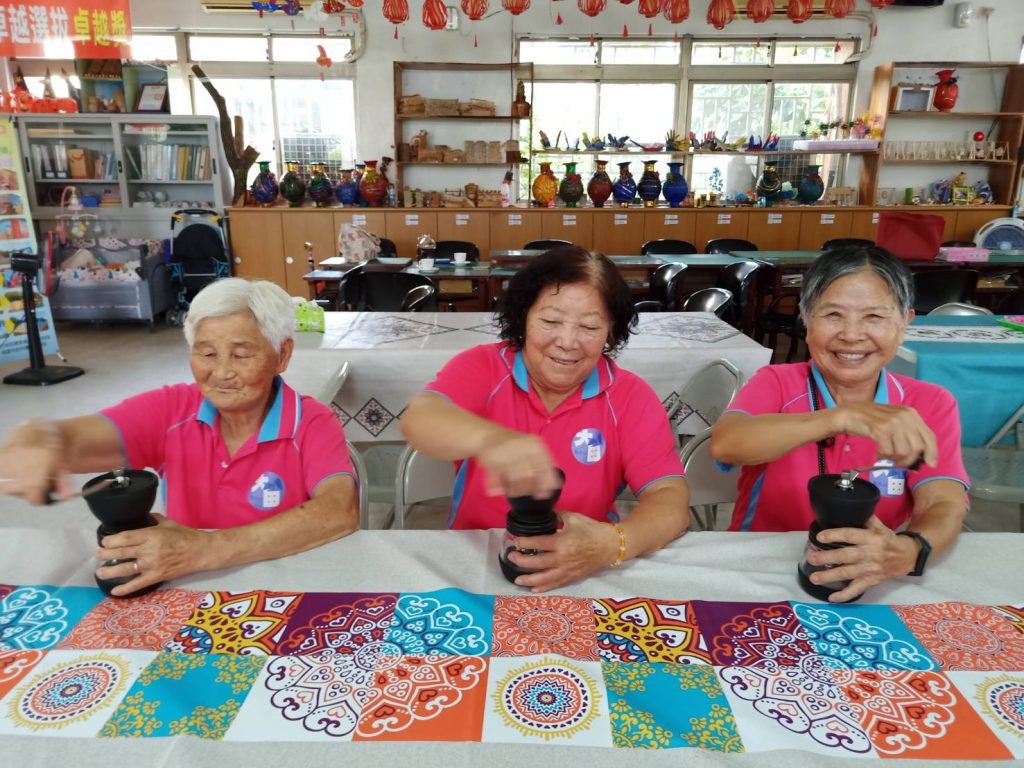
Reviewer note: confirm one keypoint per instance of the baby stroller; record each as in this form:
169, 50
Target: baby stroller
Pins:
198, 256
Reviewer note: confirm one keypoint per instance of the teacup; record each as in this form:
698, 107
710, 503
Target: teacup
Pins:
460, 258
425, 264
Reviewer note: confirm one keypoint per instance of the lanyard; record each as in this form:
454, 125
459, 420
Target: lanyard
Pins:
815, 405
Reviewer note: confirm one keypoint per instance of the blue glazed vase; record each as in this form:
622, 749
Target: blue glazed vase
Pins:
264, 186
811, 187
347, 190
649, 187
624, 188
675, 189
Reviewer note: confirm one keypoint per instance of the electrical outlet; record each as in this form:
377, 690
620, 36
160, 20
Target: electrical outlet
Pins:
453, 18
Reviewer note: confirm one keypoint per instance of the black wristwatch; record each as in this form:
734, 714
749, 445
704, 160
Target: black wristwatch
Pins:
923, 553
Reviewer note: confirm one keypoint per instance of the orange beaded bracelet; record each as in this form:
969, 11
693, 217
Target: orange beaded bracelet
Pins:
622, 546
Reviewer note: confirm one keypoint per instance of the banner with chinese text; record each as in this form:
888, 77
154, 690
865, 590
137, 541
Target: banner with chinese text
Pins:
99, 29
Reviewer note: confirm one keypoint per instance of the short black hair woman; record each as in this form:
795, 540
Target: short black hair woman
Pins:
549, 395
844, 410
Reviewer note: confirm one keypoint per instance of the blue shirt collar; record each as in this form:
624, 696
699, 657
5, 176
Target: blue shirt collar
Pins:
881, 389
272, 426
592, 385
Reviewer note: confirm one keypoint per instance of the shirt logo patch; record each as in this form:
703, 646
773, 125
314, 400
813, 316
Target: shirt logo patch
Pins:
267, 492
890, 482
588, 446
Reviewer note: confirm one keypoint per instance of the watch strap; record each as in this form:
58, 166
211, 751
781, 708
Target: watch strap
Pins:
922, 553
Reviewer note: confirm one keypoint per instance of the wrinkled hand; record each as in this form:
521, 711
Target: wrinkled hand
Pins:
874, 555
164, 551
518, 464
31, 465
900, 432
579, 548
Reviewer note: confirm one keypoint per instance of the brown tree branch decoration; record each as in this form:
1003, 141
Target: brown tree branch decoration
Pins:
239, 160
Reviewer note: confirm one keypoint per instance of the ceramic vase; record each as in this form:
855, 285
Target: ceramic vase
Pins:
675, 189
571, 188
347, 190
320, 189
769, 185
545, 187
946, 91
264, 186
372, 186
600, 187
649, 187
624, 188
811, 187
293, 188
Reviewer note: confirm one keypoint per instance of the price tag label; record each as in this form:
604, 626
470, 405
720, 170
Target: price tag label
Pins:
671, 218
621, 218
725, 218
568, 219
874, 217
359, 219
828, 218
774, 218
412, 219
515, 220
461, 219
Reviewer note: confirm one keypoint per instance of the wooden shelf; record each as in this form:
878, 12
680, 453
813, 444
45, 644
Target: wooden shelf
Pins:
949, 162
447, 165
751, 153
950, 115
501, 118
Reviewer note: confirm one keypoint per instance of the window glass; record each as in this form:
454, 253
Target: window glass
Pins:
801, 52
305, 48
557, 52
731, 53
317, 122
234, 48
653, 52
58, 84
736, 108
567, 107
642, 111
251, 100
793, 103
726, 173
154, 48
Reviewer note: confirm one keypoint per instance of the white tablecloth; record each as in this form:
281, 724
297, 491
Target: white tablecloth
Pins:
393, 355
714, 566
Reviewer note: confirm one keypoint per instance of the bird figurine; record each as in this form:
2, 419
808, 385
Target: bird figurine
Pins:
544, 140
772, 144
672, 142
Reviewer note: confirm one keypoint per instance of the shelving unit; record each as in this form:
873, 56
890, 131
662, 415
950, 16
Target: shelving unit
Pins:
1003, 122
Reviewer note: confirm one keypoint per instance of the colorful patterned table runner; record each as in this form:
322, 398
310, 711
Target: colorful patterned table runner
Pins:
943, 681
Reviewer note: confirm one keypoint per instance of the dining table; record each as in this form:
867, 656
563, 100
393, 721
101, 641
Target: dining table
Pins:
393, 355
392, 647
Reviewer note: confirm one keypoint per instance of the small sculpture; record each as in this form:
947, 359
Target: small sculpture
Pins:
672, 142
544, 140
617, 143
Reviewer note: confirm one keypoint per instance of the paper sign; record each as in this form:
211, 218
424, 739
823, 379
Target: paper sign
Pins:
874, 217
461, 219
359, 219
828, 218
671, 218
621, 218
774, 218
725, 218
515, 220
412, 219
568, 220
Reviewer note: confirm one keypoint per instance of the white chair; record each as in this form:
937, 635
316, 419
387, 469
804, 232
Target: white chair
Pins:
706, 395
709, 486
420, 478
996, 471
956, 308
362, 484
333, 387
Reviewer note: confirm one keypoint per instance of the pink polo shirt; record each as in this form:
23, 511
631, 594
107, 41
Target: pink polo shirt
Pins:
610, 433
773, 496
175, 431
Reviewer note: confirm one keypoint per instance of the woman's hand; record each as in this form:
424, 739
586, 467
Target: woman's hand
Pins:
899, 431
579, 548
874, 554
161, 552
33, 463
518, 464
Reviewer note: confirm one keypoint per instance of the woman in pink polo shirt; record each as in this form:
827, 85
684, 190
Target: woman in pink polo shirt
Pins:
549, 395
843, 410
249, 469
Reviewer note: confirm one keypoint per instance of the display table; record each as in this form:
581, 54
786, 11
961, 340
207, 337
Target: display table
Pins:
392, 355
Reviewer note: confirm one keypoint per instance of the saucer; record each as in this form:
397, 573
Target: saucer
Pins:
425, 271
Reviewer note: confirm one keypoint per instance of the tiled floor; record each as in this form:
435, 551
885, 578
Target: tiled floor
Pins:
123, 359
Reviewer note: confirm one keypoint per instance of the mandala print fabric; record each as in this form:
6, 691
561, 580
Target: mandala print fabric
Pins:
940, 681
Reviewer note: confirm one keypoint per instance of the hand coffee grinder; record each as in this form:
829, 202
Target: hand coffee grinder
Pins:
121, 504
527, 516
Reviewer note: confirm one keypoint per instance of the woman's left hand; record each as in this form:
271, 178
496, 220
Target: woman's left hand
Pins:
873, 554
579, 548
161, 552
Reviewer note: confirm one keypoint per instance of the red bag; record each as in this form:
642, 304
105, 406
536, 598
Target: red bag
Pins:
914, 236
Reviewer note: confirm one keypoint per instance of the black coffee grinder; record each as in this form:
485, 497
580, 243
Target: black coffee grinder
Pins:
121, 501
527, 516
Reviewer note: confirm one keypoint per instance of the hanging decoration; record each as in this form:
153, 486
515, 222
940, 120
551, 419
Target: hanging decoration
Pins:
435, 15
474, 9
625, 31
838, 9
677, 11
650, 8
558, 20
515, 7
759, 11
591, 7
720, 13
626, 2
798, 11
396, 11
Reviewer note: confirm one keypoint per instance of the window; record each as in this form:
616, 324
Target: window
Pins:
304, 49
317, 123
557, 52
644, 52
154, 48
252, 101
713, 54
204, 48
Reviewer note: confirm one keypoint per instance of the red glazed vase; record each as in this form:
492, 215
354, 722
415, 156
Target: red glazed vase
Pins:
946, 92
372, 186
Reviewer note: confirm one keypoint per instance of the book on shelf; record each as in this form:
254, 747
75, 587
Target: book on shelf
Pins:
169, 162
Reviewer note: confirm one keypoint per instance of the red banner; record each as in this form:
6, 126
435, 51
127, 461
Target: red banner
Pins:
99, 29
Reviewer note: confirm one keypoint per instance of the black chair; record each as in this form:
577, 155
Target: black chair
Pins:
664, 287
385, 290
667, 246
958, 244
934, 287
715, 300
782, 316
545, 245
728, 245
422, 298
387, 248
346, 296
737, 279
844, 242
446, 249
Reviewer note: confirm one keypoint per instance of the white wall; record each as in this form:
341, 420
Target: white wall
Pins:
903, 33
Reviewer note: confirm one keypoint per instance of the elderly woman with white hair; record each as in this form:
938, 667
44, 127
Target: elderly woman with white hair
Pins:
250, 469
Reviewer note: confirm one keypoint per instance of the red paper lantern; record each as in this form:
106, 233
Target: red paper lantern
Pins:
396, 11
591, 7
515, 7
880, 3
760, 10
720, 13
677, 11
840, 9
435, 15
474, 9
650, 8
798, 11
